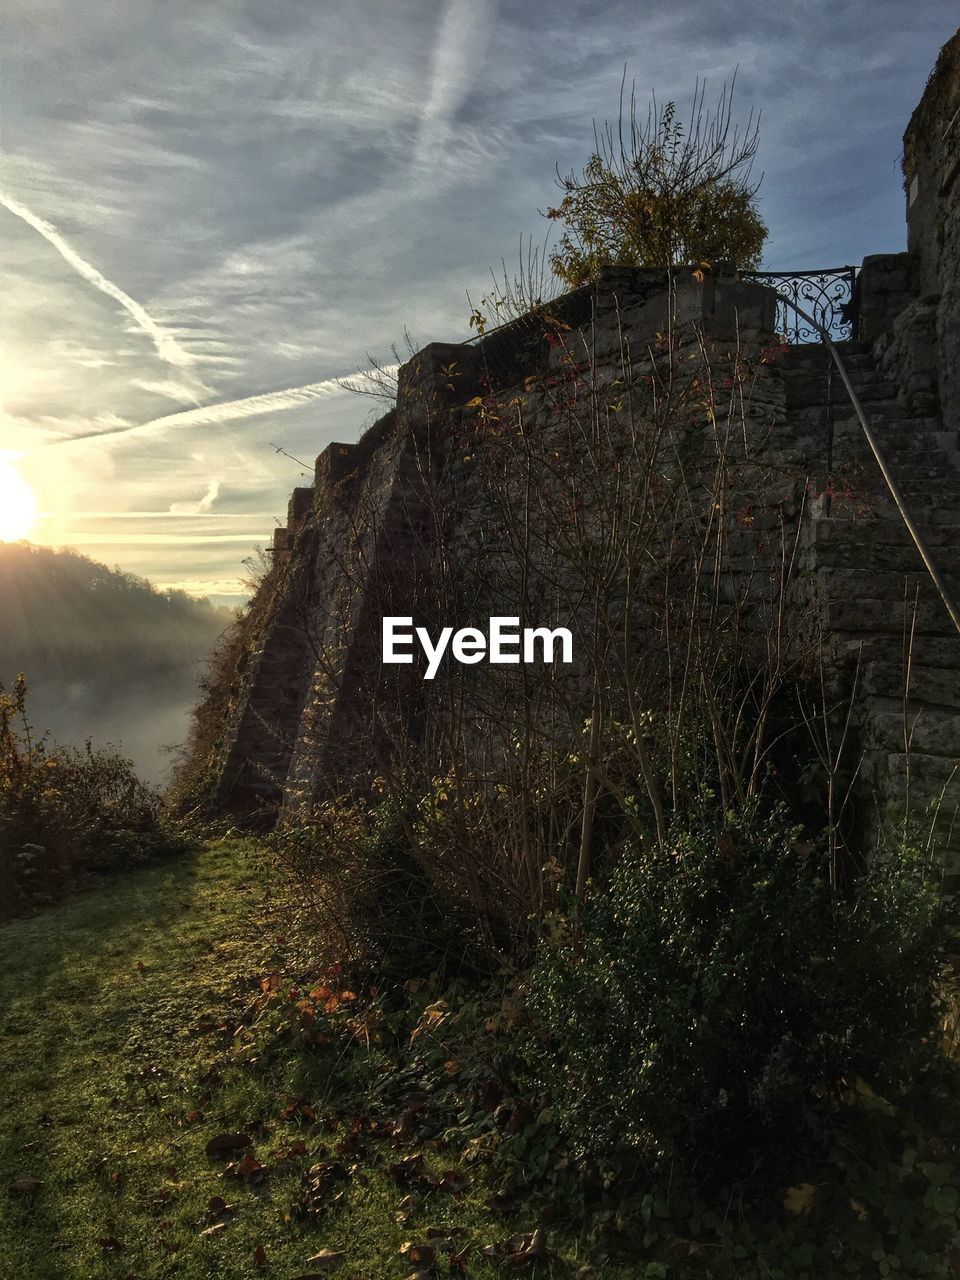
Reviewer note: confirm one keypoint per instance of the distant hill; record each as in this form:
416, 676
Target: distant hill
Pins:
106, 655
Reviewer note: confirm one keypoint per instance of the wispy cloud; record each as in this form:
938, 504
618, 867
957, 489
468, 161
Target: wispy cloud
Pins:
166, 346
283, 192
457, 62
198, 508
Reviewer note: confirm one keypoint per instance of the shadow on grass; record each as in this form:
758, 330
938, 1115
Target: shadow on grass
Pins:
62, 1025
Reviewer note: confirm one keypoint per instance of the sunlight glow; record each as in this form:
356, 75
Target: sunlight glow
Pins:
18, 506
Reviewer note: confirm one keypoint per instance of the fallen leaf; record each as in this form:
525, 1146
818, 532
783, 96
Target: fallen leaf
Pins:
259, 1256
408, 1205
418, 1255
407, 1168
225, 1144
525, 1249
110, 1244
453, 1181
249, 1169
799, 1199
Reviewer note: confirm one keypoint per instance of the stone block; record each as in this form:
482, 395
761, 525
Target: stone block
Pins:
299, 506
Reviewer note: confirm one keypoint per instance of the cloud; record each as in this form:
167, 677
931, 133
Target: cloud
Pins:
167, 347
457, 62
287, 186
198, 508
169, 388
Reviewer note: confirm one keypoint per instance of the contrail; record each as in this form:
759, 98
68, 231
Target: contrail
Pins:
224, 411
167, 347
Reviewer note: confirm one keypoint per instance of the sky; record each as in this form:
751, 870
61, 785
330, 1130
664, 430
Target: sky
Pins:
211, 210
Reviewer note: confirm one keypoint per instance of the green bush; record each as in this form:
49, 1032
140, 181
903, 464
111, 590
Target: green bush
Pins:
66, 813
720, 1000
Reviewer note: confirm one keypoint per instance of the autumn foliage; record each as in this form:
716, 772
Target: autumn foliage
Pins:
659, 193
65, 813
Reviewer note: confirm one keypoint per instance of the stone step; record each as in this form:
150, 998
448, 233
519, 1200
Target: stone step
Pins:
862, 374
881, 507
938, 686
931, 776
819, 359
807, 390
870, 533
894, 585
931, 651
877, 412
933, 731
878, 616
885, 426
818, 351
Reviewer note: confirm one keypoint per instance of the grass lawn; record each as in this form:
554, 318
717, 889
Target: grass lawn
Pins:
183, 1003
119, 1009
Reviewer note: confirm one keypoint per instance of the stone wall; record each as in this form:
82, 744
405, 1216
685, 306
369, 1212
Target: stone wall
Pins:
931, 167
406, 522
402, 520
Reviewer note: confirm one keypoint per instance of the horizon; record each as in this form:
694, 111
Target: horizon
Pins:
209, 218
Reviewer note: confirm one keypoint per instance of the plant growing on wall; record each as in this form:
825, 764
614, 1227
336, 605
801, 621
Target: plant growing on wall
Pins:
658, 193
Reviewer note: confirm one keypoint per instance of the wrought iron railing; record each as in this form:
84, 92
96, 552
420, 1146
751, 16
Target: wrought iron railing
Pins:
829, 296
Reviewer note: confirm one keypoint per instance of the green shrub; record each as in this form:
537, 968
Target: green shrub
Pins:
66, 813
718, 1002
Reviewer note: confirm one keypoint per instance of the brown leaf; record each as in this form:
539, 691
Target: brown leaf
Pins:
259, 1256
225, 1144
408, 1206
249, 1169
407, 1168
110, 1244
524, 1250
453, 1181
418, 1255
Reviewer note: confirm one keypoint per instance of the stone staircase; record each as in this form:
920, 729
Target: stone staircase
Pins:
884, 623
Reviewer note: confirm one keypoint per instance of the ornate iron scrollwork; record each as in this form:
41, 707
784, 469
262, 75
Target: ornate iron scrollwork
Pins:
828, 295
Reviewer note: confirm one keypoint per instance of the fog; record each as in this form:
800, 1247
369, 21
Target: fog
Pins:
107, 658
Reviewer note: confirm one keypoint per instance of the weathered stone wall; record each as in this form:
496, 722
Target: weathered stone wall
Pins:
931, 167
409, 520
403, 523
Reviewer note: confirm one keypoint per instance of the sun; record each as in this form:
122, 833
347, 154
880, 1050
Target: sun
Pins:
18, 506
